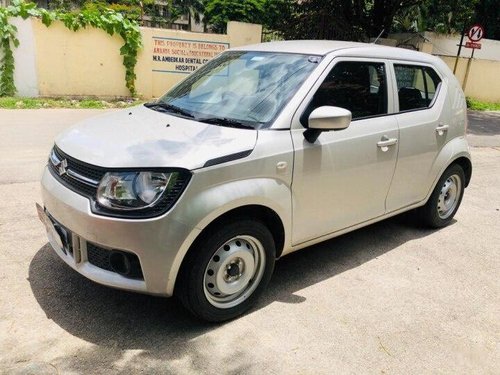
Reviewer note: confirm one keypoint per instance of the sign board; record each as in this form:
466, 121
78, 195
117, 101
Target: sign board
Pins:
175, 55
476, 33
473, 45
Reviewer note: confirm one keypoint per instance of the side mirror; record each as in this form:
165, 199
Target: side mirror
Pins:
326, 118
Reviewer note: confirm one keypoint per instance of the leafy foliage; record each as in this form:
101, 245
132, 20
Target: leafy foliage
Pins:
448, 16
342, 20
110, 21
488, 14
162, 14
409, 20
219, 12
193, 8
362, 19
7, 40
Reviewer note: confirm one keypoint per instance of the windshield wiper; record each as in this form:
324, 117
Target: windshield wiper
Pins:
168, 108
224, 121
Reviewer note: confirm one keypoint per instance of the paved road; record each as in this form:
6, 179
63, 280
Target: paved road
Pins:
389, 298
484, 128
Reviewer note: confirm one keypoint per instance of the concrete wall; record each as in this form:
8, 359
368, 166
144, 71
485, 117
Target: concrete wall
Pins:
56, 61
85, 63
25, 75
447, 45
172, 55
483, 81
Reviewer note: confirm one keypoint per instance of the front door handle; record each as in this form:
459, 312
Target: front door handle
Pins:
441, 129
385, 142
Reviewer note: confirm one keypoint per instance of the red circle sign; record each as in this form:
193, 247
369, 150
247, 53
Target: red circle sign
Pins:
476, 33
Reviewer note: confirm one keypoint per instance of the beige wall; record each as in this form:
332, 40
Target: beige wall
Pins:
82, 63
483, 81
242, 34
88, 62
182, 45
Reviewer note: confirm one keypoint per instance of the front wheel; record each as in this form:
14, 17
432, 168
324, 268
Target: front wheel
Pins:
226, 270
445, 199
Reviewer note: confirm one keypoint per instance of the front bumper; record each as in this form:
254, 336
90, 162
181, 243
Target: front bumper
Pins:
155, 241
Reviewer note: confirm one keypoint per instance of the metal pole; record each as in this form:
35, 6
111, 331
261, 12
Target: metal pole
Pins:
469, 63
459, 49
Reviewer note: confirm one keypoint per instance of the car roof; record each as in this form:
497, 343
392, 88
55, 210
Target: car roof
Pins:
324, 47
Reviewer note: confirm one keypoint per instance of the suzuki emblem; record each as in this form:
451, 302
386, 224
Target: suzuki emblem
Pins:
61, 167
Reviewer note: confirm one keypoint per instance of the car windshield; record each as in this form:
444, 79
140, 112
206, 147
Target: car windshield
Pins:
239, 89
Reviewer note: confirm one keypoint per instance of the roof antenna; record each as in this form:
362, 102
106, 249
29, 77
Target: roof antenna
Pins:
378, 37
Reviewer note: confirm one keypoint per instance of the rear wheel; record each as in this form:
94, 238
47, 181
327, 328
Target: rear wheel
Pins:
445, 199
226, 270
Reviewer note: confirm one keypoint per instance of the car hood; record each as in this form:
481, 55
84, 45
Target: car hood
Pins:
140, 137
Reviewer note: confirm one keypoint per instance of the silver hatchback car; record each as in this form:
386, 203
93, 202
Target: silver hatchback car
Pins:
265, 150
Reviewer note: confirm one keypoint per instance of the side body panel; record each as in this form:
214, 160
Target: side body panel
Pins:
421, 144
453, 150
343, 178
264, 178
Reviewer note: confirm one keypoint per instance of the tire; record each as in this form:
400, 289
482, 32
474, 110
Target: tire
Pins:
226, 270
445, 199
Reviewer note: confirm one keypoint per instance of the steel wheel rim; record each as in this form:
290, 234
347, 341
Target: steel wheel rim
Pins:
449, 196
234, 271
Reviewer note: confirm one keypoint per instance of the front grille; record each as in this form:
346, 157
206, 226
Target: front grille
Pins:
76, 168
100, 257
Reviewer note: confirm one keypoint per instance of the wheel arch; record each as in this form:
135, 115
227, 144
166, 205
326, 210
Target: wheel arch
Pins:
266, 215
454, 152
466, 165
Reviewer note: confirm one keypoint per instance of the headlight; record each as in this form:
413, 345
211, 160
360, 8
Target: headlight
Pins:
133, 190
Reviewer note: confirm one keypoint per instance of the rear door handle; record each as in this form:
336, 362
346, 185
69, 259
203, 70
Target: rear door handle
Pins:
386, 142
441, 129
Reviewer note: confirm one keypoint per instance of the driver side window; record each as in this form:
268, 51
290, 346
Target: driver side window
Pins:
360, 87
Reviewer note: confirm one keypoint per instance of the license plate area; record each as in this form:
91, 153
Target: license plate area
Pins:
58, 235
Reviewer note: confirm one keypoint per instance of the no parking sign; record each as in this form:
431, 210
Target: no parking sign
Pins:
475, 34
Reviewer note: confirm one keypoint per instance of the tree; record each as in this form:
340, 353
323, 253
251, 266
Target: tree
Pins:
276, 12
161, 15
381, 16
219, 12
342, 19
448, 16
132, 9
488, 14
322, 19
193, 8
409, 20
60, 4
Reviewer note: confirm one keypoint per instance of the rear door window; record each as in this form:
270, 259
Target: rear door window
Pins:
417, 86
